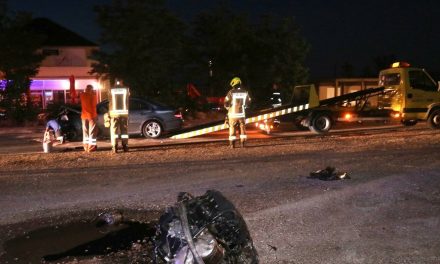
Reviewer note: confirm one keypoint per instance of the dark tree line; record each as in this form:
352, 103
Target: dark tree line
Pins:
157, 54
142, 44
19, 62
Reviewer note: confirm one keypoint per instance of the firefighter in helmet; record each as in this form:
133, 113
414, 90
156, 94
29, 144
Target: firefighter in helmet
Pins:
118, 114
236, 102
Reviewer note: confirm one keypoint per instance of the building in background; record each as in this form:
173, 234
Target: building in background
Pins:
341, 86
65, 71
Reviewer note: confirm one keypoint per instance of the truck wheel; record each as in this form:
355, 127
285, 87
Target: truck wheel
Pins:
321, 123
434, 119
409, 122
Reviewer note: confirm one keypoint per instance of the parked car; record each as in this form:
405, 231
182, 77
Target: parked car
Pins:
147, 117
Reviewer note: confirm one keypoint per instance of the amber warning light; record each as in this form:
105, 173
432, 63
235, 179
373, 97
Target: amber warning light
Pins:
400, 64
347, 116
395, 114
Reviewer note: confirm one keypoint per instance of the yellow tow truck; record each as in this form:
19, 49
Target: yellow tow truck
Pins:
406, 93
411, 93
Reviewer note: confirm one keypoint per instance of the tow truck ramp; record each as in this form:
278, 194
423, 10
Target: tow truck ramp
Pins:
220, 125
304, 99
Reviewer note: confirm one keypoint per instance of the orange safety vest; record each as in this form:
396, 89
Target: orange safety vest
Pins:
88, 105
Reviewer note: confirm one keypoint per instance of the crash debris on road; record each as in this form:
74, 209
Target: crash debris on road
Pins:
329, 174
204, 229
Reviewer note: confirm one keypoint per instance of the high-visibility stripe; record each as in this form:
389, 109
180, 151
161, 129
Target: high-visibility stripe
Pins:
124, 136
252, 119
243, 136
92, 141
232, 138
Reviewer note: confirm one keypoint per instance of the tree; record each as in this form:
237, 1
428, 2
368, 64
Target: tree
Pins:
279, 55
143, 46
19, 62
220, 37
261, 54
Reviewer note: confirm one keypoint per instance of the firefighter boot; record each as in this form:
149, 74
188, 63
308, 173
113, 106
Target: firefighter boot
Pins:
242, 143
114, 149
125, 148
232, 144
92, 148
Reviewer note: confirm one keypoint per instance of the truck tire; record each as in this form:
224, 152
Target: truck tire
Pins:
411, 122
321, 123
434, 119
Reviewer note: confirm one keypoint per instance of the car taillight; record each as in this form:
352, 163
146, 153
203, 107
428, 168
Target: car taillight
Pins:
178, 114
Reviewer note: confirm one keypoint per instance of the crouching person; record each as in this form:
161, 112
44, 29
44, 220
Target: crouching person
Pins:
54, 128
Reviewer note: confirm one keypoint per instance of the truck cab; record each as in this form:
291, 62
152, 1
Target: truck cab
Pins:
411, 93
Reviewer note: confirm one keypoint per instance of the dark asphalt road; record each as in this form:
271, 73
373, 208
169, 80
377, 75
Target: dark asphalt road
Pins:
388, 212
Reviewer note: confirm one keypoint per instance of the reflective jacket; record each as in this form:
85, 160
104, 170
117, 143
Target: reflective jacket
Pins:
118, 103
236, 102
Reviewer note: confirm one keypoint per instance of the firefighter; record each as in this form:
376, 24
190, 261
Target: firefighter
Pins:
118, 113
236, 102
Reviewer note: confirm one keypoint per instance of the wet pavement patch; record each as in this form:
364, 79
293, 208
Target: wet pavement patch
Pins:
100, 238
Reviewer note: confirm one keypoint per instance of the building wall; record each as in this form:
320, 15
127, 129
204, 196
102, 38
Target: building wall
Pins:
337, 87
52, 83
67, 56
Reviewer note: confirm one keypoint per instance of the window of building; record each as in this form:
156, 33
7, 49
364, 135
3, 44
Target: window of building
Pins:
51, 52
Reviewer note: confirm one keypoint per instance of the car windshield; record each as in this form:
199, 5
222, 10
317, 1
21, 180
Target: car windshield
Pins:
103, 106
389, 79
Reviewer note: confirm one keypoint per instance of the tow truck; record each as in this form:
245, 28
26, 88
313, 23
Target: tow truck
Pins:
411, 93
405, 93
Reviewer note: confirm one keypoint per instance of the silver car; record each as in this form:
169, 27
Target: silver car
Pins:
148, 118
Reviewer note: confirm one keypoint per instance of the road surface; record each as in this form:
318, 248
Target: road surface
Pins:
388, 212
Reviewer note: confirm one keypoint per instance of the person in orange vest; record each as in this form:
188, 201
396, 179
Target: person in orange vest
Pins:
89, 117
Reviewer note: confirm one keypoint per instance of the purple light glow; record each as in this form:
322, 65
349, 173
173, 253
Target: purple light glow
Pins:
57, 85
2, 84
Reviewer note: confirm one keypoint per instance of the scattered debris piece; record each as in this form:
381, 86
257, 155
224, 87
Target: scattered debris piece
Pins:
109, 218
329, 174
274, 248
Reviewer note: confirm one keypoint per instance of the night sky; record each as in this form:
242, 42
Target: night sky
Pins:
339, 32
